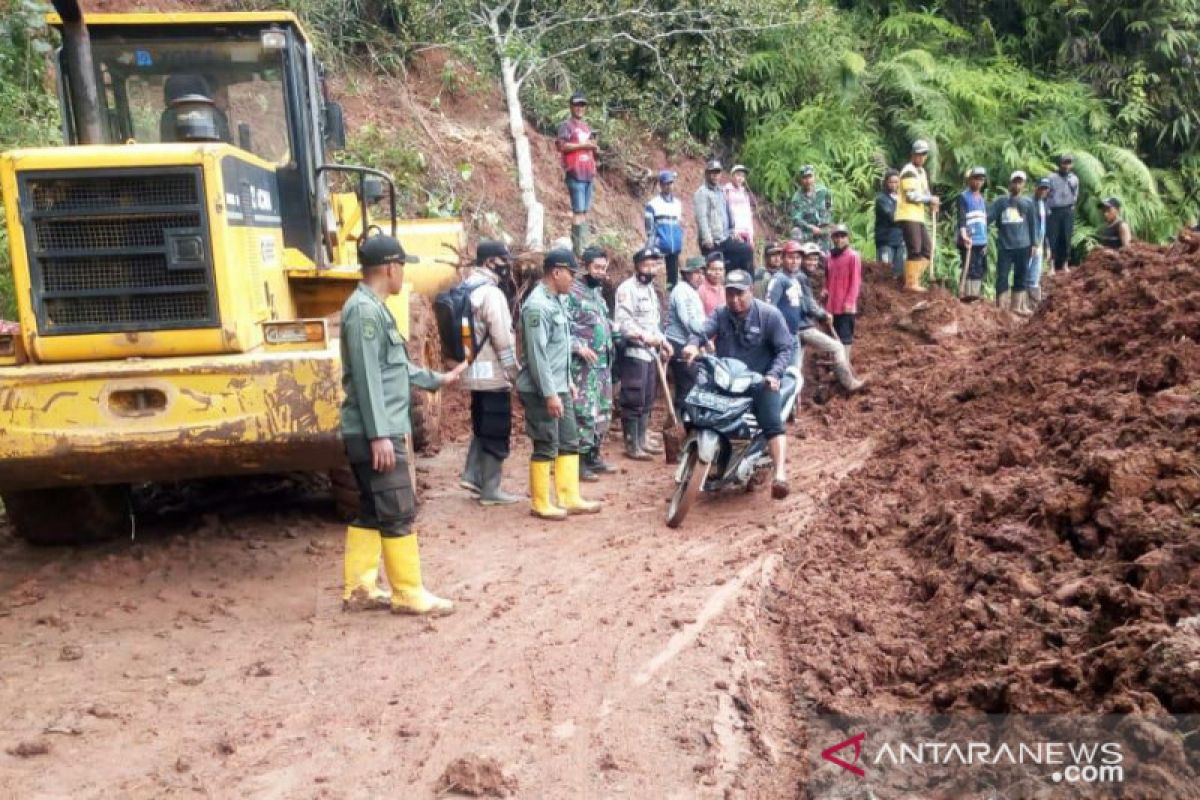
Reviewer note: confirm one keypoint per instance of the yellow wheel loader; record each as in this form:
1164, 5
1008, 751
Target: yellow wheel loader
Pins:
179, 267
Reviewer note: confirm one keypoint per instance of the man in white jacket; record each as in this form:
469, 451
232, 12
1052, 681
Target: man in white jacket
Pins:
491, 375
638, 319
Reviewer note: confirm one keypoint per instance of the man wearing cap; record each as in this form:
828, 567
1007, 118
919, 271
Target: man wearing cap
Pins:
492, 374
1115, 233
578, 147
740, 202
811, 315
811, 210
910, 213
843, 281
973, 233
755, 334
1013, 216
786, 293
544, 386
1064, 197
664, 224
712, 216
685, 319
377, 378
1041, 213
772, 263
638, 319
591, 361
712, 291
889, 238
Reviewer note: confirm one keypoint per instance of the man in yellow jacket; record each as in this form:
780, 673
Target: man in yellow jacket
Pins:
911, 216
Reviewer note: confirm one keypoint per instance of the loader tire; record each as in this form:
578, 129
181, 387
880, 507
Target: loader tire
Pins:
69, 514
425, 349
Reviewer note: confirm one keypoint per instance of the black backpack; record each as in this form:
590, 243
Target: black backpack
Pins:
456, 321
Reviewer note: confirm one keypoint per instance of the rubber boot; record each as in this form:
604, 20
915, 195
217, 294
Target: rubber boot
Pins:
631, 429
849, 348
566, 479
402, 560
598, 464
648, 444
1002, 301
579, 237
539, 492
912, 275
490, 470
1035, 297
974, 289
586, 473
470, 478
1020, 305
361, 590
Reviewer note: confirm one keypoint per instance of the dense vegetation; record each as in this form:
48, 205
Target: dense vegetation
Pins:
1006, 84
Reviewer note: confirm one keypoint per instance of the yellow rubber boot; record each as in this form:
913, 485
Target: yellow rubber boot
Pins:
402, 560
361, 590
912, 275
566, 478
539, 491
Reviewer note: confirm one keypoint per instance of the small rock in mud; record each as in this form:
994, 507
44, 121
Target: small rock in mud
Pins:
30, 749
608, 763
182, 765
225, 746
476, 776
70, 652
259, 669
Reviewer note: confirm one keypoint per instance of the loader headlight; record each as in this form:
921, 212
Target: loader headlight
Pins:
295, 331
273, 40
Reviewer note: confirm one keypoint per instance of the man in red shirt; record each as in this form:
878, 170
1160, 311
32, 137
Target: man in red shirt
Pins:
843, 280
578, 147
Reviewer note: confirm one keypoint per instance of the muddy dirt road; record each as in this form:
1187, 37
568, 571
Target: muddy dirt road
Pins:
610, 657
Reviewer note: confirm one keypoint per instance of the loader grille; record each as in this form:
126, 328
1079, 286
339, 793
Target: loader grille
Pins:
112, 251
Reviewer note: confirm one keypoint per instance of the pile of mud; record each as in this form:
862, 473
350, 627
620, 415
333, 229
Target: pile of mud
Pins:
1026, 535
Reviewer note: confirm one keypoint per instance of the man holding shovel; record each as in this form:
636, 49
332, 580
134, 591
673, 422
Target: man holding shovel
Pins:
638, 319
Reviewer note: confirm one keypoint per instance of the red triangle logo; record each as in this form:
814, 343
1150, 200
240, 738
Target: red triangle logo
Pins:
854, 741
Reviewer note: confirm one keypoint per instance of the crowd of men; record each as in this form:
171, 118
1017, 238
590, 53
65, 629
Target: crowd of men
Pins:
575, 363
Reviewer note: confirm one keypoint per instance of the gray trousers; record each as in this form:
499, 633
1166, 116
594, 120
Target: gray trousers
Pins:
813, 338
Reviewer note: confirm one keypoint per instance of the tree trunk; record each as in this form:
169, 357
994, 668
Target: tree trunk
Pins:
534, 212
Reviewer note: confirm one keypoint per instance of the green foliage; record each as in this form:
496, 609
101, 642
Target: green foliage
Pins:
30, 117
974, 109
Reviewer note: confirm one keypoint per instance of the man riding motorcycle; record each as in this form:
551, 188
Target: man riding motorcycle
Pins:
756, 334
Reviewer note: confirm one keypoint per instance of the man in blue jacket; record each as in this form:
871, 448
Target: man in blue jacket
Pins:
664, 225
755, 333
973, 234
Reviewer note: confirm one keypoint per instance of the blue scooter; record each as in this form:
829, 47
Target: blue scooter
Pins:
725, 447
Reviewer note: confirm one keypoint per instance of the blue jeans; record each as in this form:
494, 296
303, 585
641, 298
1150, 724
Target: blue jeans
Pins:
891, 254
1034, 278
768, 408
581, 195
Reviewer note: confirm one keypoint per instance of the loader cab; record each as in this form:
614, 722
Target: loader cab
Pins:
251, 82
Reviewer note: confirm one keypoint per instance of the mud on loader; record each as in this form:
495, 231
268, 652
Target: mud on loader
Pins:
179, 267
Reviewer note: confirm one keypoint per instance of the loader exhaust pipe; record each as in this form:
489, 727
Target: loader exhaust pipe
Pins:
81, 74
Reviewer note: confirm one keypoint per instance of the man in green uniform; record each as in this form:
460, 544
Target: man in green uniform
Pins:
377, 378
544, 386
591, 361
812, 210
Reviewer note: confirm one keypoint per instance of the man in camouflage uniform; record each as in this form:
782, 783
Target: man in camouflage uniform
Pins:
812, 211
544, 387
591, 361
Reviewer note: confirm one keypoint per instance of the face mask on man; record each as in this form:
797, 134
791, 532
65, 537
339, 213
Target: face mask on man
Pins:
837, 251
645, 278
593, 282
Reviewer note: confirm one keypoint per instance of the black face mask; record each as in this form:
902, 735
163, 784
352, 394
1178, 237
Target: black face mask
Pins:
837, 251
592, 281
645, 278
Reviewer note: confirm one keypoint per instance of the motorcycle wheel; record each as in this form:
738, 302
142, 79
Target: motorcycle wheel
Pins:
695, 472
